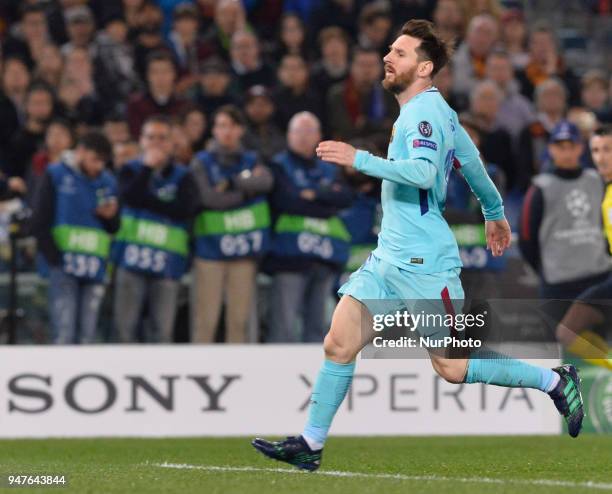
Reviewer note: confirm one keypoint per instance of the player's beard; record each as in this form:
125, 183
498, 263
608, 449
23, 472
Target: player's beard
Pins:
401, 82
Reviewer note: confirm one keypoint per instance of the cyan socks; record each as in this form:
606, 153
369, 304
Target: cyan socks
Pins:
489, 367
332, 384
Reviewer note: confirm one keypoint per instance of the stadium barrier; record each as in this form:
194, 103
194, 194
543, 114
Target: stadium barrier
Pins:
230, 390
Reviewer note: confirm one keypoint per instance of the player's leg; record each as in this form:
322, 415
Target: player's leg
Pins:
490, 367
574, 330
342, 344
348, 334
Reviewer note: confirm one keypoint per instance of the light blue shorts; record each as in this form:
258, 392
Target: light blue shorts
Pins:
384, 289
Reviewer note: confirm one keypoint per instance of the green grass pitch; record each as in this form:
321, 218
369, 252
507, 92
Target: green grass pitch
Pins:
422, 465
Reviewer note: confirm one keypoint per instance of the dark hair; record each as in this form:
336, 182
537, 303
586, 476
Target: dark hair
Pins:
371, 13
98, 143
363, 50
603, 130
64, 123
32, 8
432, 47
39, 85
160, 56
332, 32
233, 113
160, 119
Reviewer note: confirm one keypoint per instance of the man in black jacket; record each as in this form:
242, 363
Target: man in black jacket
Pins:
159, 198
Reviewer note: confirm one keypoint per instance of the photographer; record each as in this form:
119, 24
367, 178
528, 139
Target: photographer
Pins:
75, 211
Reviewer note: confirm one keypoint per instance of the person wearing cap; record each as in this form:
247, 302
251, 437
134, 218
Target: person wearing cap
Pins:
74, 213
561, 234
262, 134
214, 86
80, 26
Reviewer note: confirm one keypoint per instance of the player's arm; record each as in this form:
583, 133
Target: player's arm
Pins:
471, 167
418, 172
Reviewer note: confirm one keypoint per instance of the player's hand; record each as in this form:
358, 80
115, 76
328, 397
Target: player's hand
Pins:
498, 236
340, 153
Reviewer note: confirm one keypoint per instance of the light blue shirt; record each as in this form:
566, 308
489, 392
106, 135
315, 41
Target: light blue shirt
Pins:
427, 142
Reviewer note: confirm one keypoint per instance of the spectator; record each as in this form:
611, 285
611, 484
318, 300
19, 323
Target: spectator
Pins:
262, 134
443, 81
359, 106
292, 38
159, 198
514, 37
213, 90
50, 66
116, 129
11, 187
149, 37
78, 91
75, 212
230, 18
551, 105
375, 27
39, 110
496, 143
193, 125
59, 138
294, 94
247, 65
15, 83
515, 111
159, 97
30, 37
594, 94
80, 25
562, 218
132, 11
334, 64
341, 13
124, 152
232, 232
472, 9
114, 65
310, 244
469, 60
188, 48
448, 19
545, 62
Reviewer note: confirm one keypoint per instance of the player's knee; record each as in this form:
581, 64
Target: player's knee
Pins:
451, 370
337, 351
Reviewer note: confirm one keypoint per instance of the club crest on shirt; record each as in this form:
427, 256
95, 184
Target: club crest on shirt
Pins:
425, 128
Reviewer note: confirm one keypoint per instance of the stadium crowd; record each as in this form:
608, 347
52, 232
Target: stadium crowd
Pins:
167, 142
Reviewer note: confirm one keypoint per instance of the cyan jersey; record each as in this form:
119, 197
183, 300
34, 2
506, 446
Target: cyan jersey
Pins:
414, 235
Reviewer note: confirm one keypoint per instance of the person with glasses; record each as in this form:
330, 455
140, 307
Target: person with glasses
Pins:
159, 198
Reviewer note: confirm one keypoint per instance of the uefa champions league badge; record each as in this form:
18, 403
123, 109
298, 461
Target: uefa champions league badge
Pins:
425, 128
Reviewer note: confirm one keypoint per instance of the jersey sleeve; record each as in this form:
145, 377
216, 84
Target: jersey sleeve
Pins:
423, 140
467, 160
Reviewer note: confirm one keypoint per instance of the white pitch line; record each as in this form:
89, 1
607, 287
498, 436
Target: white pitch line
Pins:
392, 476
